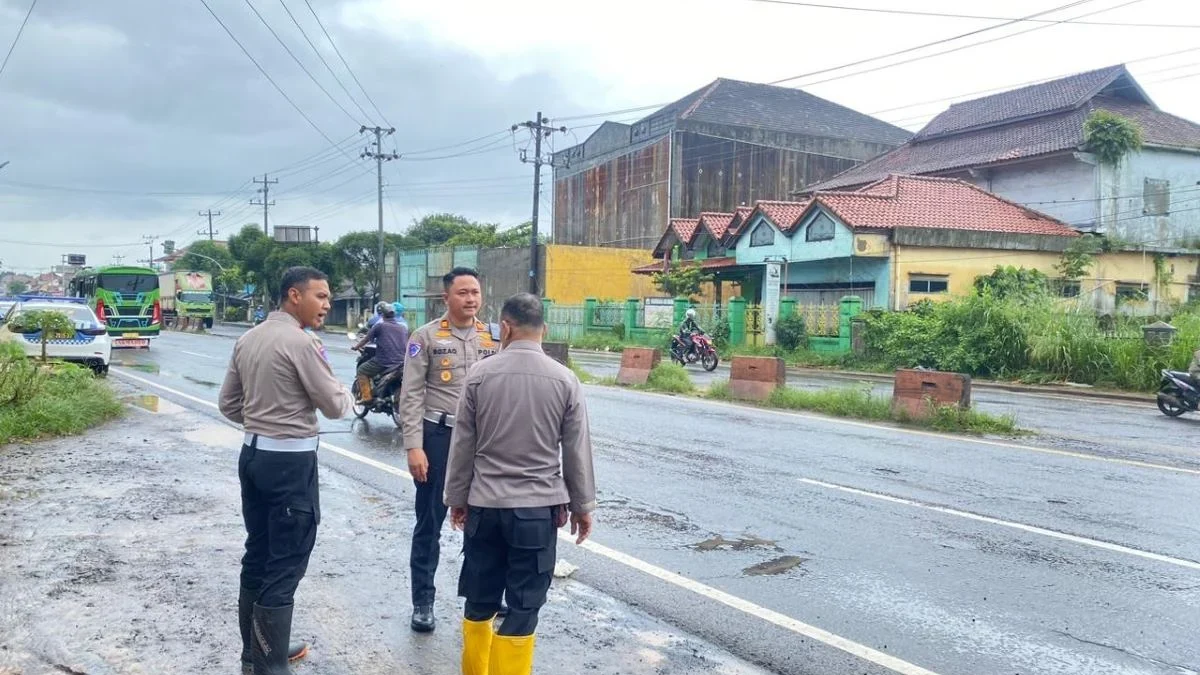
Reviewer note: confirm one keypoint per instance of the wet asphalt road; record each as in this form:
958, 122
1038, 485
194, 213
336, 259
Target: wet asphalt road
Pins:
1053, 553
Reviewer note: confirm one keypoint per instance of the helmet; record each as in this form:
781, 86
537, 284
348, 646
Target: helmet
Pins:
398, 306
691, 313
380, 307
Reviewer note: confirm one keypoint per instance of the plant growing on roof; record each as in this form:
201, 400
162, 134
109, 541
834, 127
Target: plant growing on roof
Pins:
1110, 136
1078, 257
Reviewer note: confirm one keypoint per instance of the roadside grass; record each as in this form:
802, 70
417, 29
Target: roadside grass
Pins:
861, 403
54, 399
670, 378
584, 376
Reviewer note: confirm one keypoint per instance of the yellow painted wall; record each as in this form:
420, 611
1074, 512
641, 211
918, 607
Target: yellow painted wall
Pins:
574, 273
1097, 289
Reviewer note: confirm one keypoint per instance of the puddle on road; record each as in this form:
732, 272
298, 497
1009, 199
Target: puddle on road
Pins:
153, 403
777, 566
747, 543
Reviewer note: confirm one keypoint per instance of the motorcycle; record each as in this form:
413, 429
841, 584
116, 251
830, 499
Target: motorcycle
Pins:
1177, 394
259, 317
703, 351
385, 387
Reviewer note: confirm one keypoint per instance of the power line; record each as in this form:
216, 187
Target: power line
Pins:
539, 128
907, 12
458, 145
347, 65
380, 157
264, 74
17, 39
265, 202
210, 215
316, 51
299, 62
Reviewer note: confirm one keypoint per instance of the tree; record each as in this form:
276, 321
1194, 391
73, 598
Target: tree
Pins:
250, 248
1078, 257
52, 324
17, 287
1012, 282
205, 256
356, 258
1110, 136
436, 229
682, 281
283, 256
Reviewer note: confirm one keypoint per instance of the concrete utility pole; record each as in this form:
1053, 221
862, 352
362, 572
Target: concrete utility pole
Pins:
149, 240
265, 202
118, 258
210, 215
380, 157
539, 129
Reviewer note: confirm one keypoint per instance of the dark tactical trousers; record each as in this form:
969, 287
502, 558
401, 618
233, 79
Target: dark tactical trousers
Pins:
281, 508
509, 553
431, 514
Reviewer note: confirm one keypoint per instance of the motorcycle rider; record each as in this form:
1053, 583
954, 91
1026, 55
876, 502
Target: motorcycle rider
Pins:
391, 344
377, 316
685, 331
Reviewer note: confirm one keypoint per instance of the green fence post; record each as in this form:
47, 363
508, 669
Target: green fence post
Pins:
850, 306
737, 321
546, 304
589, 314
631, 312
787, 307
681, 306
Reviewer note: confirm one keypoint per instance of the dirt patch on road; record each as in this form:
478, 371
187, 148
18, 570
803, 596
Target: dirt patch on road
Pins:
119, 554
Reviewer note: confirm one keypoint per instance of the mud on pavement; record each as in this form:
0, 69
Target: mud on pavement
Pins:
119, 553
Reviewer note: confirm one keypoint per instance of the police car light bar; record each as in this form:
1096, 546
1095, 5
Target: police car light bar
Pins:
50, 298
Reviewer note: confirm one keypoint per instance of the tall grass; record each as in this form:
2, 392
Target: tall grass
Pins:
671, 378
54, 400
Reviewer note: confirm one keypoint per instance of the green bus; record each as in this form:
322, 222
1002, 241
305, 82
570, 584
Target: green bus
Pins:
126, 299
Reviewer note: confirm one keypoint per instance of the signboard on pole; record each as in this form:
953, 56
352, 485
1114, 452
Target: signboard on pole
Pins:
77, 259
771, 282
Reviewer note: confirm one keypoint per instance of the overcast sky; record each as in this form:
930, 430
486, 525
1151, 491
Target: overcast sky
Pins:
124, 118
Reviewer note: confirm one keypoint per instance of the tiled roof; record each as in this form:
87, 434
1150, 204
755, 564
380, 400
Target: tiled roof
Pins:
708, 264
740, 214
939, 203
764, 106
781, 214
1020, 140
685, 228
716, 223
1058, 95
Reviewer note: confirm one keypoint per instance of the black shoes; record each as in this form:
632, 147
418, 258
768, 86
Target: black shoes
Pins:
422, 619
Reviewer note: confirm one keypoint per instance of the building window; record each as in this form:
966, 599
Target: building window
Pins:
928, 284
1129, 292
820, 229
1156, 197
1068, 289
763, 235
715, 249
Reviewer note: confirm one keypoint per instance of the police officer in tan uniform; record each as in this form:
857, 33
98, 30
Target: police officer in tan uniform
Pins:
520, 461
439, 355
278, 378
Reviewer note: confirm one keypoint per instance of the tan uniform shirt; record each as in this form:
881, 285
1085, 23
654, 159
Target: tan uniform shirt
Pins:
518, 410
278, 378
439, 356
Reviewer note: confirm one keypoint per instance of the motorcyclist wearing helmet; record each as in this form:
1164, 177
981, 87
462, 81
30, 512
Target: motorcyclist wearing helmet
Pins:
399, 308
378, 315
685, 331
391, 344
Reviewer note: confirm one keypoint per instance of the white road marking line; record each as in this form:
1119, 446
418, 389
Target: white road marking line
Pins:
926, 434
1032, 529
771, 616
203, 356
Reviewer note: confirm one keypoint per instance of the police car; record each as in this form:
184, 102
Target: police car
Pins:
89, 344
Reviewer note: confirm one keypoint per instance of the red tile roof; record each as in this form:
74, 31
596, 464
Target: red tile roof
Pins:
685, 228
740, 214
717, 224
940, 203
782, 215
709, 264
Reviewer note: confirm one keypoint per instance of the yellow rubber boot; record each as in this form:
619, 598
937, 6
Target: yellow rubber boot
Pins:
477, 646
364, 389
512, 655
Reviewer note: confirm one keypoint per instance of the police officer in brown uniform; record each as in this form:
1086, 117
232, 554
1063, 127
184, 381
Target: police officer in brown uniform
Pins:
278, 378
439, 354
520, 459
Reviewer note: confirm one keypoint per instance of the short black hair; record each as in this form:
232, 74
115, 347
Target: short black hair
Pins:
298, 277
523, 310
448, 279
389, 312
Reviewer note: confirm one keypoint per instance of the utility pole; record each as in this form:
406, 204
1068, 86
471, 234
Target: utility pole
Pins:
118, 258
540, 129
265, 202
380, 157
210, 215
149, 240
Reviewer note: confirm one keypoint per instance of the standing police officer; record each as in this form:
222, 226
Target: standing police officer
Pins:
439, 354
506, 486
278, 376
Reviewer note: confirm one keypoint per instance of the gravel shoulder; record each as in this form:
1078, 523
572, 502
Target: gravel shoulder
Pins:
119, 553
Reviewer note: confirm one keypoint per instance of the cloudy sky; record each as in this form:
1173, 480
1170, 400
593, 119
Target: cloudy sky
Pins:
125, 118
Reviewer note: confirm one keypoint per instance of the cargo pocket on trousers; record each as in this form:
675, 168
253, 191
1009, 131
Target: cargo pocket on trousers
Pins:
532, 528
300, 525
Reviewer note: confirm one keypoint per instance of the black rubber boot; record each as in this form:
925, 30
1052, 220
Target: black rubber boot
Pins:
296, 650
422, 619
272, 628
